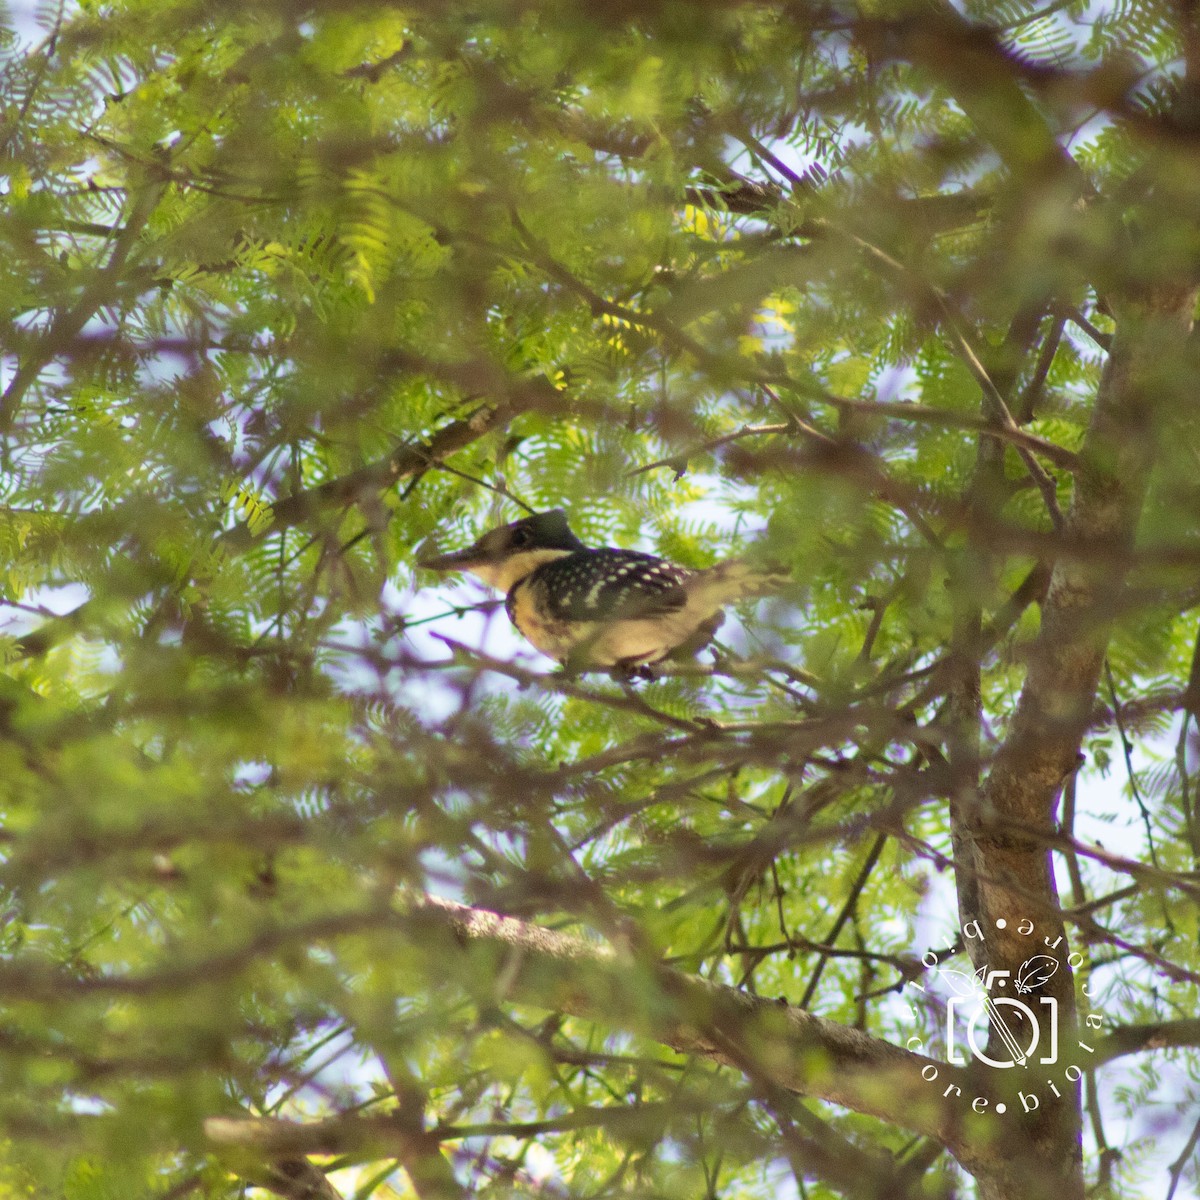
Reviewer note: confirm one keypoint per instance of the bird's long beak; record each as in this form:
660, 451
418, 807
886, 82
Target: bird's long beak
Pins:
456, 560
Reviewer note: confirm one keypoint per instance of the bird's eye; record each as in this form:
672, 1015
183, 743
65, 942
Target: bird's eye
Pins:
521, 537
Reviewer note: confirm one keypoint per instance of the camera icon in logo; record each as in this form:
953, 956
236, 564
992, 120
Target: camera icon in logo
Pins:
1020, 1027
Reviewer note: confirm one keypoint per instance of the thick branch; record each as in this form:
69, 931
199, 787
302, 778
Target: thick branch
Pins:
1159, 1035
777, 1046
1058, 698
782, 1045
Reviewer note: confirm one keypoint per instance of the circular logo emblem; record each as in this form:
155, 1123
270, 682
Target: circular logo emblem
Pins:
1000, 1019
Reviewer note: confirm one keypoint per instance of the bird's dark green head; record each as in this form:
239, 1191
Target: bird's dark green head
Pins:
508, 553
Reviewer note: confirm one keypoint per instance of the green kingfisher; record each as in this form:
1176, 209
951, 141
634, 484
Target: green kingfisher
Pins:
601, 607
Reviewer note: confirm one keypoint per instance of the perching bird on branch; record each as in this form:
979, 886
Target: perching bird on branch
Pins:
601, 607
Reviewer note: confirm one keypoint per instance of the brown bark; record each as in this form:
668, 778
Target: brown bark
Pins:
1002, 836
776, 1043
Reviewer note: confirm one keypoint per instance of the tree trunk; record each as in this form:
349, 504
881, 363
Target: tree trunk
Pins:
1005, 835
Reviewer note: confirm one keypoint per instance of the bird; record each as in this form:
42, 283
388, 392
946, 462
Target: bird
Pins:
601, 607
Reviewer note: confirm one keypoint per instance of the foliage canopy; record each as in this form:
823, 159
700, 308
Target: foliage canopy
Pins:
898, 296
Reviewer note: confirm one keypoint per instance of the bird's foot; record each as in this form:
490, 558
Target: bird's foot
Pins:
627, 672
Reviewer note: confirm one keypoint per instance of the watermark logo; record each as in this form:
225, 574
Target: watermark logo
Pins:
1017, 1024
1000, 1019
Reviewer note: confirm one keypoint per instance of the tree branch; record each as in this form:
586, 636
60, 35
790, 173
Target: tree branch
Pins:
1057, 701
1136, 1039
97, 292
786, 1046
511, 397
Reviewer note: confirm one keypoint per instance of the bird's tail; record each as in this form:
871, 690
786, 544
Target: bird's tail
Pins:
735, 579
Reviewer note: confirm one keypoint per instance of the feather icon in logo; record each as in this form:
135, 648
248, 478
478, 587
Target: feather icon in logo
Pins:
1034, 972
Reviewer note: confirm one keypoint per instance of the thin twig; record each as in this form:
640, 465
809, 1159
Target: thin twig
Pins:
851, 903
1001, 417
1127, 747
1046, 485
1031, 392
560, 683
1107, 1154
1103, 340
794, 420
1079, 898
97, 291
679, 462
403, 625
1185, 1157
601, 305
798, 182
1060, 456
501, 489
1191, 713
